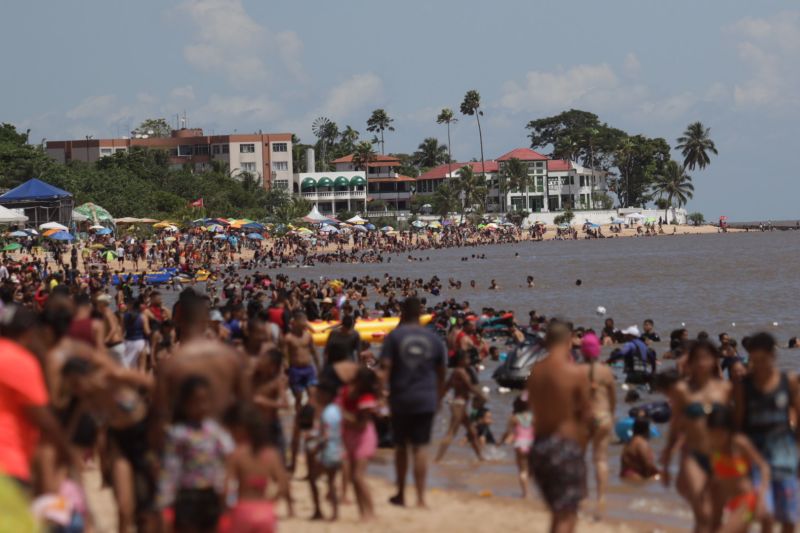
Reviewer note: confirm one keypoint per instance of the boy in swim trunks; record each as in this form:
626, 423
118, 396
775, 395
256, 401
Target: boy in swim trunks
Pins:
302, 372
559, 396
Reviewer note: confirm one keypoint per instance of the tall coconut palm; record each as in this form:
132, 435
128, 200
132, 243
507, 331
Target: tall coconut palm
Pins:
379, 122
695, 145
430, 153
674, 185
517, 174
472, 106
446, 116
363, 155
446, 198
348, 138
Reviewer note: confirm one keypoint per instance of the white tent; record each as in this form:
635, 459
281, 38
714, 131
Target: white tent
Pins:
635, 216
53, 225
315, 217
8, 216
356, 220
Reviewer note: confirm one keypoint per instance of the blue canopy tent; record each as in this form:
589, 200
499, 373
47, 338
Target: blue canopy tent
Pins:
41, 202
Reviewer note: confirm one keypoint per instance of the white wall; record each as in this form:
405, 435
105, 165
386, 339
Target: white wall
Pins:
604, 217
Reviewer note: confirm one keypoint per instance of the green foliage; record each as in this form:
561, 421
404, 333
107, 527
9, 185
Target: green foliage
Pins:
472, 188
695, 144
19, 161
293, 210
564, 218
154, 127
407, 166
446, 199
639, 160
363, 155
430, 154
697, 219
379, 122
418, 200
376, 205
673, 184
602, 200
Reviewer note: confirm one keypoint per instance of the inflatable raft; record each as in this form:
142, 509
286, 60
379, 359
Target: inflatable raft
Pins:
370, 329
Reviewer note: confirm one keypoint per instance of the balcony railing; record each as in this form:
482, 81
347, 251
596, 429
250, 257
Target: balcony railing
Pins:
319, 195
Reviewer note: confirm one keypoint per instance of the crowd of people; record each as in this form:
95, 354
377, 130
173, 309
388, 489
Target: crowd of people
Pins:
197, 415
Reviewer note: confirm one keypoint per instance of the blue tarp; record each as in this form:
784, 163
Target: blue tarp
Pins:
34, 189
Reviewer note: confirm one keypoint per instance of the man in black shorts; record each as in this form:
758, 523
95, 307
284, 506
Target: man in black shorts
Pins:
414, 359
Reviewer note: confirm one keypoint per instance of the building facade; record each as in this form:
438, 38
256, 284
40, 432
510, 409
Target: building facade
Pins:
268, 156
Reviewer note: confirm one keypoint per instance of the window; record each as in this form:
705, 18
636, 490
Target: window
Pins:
105, 151
120, 150
215, 149
247, 148
200, 149
539, 183
184, 150
248, 167
540, 164
225, 148
280, 147
280, 165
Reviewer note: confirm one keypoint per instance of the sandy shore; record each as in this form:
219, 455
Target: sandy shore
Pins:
448, 511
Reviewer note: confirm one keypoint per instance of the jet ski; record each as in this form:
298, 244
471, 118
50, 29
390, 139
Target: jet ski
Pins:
514, 371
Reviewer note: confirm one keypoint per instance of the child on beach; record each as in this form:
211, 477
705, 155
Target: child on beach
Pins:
520, 435
193, 476
331, 448
253, 465
358, 401
733, 458
309, 433
637, 461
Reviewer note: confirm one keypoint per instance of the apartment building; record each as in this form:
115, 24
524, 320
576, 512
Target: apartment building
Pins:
266, 155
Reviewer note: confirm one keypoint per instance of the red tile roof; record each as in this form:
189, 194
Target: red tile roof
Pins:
559, 165
378, 159
440, 172
523, 154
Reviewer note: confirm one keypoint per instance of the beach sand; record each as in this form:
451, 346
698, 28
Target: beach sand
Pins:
448, 511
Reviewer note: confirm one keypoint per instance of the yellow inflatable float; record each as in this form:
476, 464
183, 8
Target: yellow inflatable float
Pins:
370, 329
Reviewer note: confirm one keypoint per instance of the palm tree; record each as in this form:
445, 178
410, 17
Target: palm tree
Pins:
363, 155
446, 198
695, 144
472, 188
446, 116
517, 174
348, 138
472, 106
378, 123
430, 153
674, 184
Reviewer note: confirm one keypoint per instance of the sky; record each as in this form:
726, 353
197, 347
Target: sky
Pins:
99, 67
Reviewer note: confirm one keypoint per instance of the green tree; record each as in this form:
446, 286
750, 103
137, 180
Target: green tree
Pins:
471, 106
326, 132
348, 138
20, 161
695, 144
639, 160
407, 166
292, 211
518, 179
299, 155
379, 122
446, 116
446, 199
697, 219
363, 155
673, 184
154, 127
472, 188
430, 154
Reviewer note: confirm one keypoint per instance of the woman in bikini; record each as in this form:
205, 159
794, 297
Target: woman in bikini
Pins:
463, 389
693, 400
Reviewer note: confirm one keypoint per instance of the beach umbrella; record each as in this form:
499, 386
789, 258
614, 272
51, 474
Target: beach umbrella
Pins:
360, 229
171, 228
109, 255
12, 246
53, 225
370, 227
61, 236
650, 220
96, 226
357, 220
220, 237
304, 230
592, 225
104, 231
492, 225
217, 228
255, 236
31, 231
18, 233
51, 232
170, 239
617, 220
418, 224
386, 229
327, 228
253, 226
434, 224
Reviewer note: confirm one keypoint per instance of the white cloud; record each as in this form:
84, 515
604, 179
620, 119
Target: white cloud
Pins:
184, 94
228, 40
353, 94
769, 48
593, 86
233, 109
631, 64
93, 107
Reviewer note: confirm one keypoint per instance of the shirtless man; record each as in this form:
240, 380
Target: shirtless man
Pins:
559, 396
302, 371
463, 390
269, 386
113, 329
